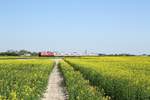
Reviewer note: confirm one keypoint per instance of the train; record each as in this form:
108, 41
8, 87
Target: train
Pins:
46, 54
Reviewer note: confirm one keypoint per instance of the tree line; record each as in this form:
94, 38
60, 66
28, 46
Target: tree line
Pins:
18, 53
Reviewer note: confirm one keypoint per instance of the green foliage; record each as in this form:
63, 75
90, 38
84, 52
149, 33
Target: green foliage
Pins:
122, 78
18, 53
78, 88
23, 79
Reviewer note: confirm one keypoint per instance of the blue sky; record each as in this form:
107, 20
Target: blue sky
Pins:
107, 26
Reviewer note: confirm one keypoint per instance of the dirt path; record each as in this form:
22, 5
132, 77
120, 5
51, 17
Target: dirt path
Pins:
56, 90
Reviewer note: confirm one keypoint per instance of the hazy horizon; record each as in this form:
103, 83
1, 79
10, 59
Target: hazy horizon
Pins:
104, 26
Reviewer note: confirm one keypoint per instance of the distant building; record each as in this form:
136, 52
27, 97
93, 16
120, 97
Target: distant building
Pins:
46, 54
27, 54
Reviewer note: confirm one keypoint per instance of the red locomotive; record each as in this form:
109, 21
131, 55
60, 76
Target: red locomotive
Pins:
46, 54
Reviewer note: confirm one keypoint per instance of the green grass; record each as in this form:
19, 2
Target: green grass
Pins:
25, 57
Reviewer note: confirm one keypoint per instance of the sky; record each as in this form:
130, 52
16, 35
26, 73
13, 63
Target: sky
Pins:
104, 26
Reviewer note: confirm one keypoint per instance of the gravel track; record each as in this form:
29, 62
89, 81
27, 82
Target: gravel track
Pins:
56, 89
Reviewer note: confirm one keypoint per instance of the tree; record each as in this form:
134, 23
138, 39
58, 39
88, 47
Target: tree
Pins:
23, 52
